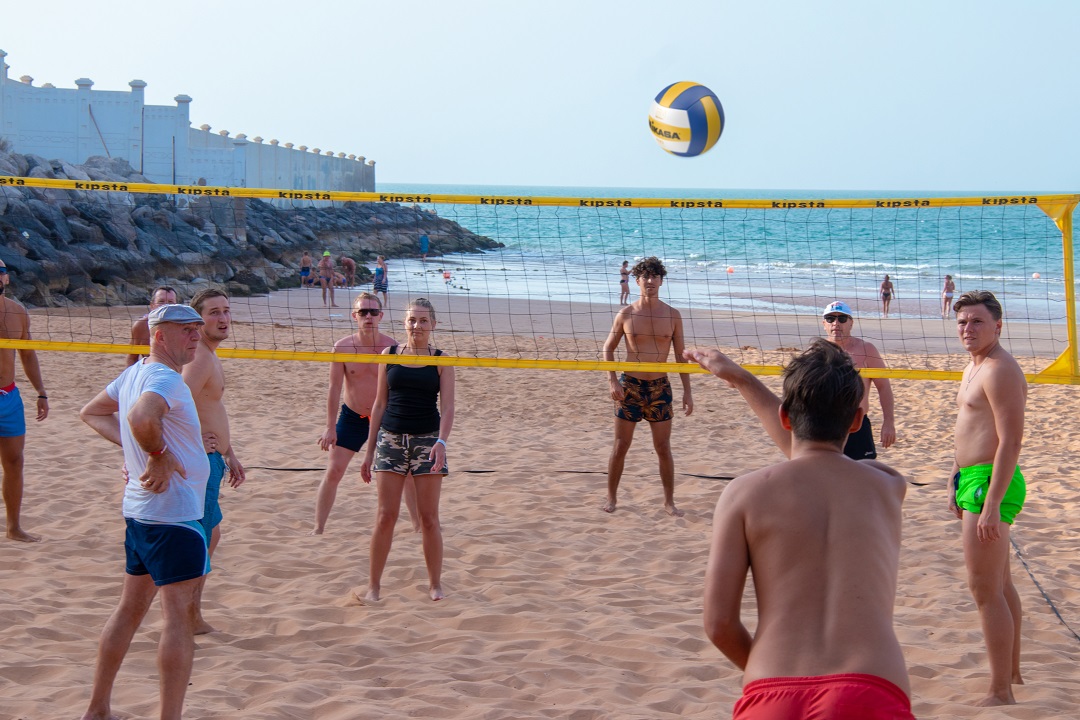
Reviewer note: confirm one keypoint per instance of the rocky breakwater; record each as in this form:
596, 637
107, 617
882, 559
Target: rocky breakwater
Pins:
77, 248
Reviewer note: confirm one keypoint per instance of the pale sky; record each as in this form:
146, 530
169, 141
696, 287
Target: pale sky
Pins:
920, 95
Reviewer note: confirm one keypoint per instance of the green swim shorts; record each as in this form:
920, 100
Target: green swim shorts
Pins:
975, 481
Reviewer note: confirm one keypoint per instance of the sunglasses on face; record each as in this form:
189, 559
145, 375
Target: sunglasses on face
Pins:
836, 319
368, 312
3, 271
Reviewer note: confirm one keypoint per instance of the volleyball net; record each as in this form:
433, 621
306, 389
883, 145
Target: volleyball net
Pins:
534, 282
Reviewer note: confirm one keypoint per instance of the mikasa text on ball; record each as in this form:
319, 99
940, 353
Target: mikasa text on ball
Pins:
686, 119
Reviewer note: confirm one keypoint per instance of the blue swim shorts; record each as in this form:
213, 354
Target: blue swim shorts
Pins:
167, 552
212, 508
12, 420
352, 429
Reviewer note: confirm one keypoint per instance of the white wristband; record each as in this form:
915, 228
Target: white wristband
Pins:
441, 442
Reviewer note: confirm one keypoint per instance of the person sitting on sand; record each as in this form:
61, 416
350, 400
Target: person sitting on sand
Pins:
410, 423
821, 535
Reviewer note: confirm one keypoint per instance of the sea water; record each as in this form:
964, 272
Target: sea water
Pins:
756, 260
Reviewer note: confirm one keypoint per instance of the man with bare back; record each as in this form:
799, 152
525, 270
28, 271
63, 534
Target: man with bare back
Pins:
820, 534
347, 423
206, 379
987, 489
15, 325
651, 328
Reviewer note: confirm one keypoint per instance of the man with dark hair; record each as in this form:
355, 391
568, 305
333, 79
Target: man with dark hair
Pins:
205, 377
149, 412
987, 489
15, 325
651, 328
140, 331
821, 534
838, 322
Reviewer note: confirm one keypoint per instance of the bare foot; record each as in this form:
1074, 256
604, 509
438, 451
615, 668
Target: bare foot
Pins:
608, 506
436, 593
993, 700
316, 531
372, 595
673, 511
1016, 679
22, 536
202, 627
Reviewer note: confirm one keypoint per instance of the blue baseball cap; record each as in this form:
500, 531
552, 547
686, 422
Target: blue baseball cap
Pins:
837, 307
180, 314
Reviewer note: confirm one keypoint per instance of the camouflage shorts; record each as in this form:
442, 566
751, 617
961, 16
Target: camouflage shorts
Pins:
403, 454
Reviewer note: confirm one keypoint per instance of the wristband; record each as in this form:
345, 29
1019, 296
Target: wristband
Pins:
43, 397
159, 452
441, 442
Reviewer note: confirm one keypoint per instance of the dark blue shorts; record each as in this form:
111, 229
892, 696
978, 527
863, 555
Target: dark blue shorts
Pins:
352, 429
167, 552
860, 444
212, 509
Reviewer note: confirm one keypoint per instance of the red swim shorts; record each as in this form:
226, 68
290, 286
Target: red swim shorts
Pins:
850, 696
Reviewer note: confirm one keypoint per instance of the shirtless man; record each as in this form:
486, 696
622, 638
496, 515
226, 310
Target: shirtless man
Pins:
347, 423
987, 489
15, 325
348, 269
651, 328
818, 642
206, 379
140, 331
326, 277
837, 321
305, 269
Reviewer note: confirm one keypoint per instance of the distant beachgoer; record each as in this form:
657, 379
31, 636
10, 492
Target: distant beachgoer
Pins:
381, 282
347, 422
887, 292
205, 376
986, 488
424, 244
947, 296
326, 277
15, 325
140, 332
305, 269
624, 283
148, 410
819, 648
838, 322
348, 268
410, 423
651, 329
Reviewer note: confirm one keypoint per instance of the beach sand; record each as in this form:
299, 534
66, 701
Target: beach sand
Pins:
554, 609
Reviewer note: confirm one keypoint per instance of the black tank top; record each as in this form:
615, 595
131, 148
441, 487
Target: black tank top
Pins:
412, 406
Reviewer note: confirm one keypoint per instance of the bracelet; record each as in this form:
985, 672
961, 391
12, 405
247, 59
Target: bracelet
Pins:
158, 452
441, 442
42, 397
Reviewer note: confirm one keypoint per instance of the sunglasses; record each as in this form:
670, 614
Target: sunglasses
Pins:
836, 319
368, 312
3, 271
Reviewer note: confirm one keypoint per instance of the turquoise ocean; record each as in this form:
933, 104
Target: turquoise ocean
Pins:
790, 260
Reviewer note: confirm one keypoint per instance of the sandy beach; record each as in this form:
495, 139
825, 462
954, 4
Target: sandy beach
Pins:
554, 609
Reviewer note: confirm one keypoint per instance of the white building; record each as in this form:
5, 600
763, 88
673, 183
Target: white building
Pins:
159, 142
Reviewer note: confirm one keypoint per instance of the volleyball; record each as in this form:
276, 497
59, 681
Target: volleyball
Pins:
686, 119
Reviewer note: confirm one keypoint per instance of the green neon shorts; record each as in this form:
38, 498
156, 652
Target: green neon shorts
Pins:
975, 481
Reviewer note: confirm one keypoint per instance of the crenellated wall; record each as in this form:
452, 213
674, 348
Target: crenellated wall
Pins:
158, 140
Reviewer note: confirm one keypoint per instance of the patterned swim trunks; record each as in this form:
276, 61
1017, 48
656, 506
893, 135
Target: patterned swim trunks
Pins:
648, 400
402, 454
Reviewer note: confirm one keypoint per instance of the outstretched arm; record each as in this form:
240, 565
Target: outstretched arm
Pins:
760, 398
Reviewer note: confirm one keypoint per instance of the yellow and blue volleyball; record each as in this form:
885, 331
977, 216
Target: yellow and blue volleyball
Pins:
686, 119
